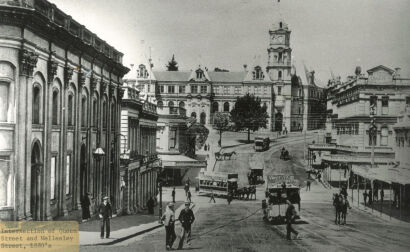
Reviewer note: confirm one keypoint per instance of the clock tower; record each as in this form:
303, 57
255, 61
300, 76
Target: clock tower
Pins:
279, 53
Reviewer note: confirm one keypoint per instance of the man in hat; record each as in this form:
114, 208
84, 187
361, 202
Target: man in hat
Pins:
168, 219
186, 217
105, 213
290, 217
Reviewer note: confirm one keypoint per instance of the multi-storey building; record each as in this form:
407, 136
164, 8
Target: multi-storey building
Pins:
202, 92
59, 113
139, 160
354, 145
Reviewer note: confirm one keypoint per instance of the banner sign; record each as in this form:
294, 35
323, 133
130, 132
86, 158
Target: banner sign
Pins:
279, 179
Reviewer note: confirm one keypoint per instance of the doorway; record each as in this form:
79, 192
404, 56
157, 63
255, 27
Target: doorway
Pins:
278, 121
36, 192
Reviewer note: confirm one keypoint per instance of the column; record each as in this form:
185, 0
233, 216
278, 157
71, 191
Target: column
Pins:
28, 61
81, 83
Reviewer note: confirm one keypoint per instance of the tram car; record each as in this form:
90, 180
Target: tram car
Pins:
220, 184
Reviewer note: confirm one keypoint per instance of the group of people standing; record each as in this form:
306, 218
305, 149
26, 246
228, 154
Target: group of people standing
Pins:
370, 196
186, 218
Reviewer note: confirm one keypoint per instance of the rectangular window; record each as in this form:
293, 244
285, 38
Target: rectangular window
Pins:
216, 90
408, 101
203, 89
53, 178
385, 105
181, 89
265, 90
236, 90
67, 175
384, 137
172, 138
149, 88
4, 101
226, 90
171, 89
161, 89
194, 89
279, 90
373, 105
5, 181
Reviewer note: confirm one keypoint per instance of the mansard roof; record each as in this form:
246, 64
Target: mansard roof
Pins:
227, 76
172, 75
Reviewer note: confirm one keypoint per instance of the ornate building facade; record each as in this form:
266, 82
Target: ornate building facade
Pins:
60, 107
202, 92
139, 161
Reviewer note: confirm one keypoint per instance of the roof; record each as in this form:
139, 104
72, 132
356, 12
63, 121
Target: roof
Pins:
172, 75
227, 76
374, 69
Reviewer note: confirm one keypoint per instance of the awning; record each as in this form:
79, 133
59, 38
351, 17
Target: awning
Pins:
180, 162
379, 173
400, 175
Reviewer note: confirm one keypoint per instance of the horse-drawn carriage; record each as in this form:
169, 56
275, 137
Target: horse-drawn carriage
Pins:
222, 156
280, 188
255, 176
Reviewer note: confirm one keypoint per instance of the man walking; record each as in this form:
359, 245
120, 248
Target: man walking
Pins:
308, 185
381, 195
189, 196
186, 217
290, 216
365, 197
173, 195
105, 213
169, 222
212, 197
150, 205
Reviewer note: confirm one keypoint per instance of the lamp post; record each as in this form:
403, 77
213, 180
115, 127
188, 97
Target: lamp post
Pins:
159, 183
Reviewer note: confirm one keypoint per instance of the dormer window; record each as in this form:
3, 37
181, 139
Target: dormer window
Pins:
142, 72
257, 74
199, 74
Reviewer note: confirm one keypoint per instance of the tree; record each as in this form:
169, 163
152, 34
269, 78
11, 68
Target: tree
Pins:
221, 121
172, 65
248, 114
217, 69
196, 138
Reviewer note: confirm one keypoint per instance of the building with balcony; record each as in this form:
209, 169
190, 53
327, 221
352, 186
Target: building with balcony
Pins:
139, 161
352, 145
59, 114
202, 93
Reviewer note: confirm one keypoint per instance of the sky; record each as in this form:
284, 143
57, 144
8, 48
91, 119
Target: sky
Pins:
327, 35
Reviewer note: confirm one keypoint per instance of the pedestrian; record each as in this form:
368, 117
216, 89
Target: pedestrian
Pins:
85, 205
265, 209
381, 195
229, 198
186, 217
173, 195
370, 195
150, 205
105, 214
365, 197
168, 219
209, 147
186, 188
319, 177
212, 197
290, 217
189, 196
308, 185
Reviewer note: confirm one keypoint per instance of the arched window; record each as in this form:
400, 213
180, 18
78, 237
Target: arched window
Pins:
193, 115
226, 107
279, 75
70, 105
4, 100
36, 105
182, 104
84, 111
55, 107
104, 113
160, 104
171, 104
203, 118
113, 115
95, 112
215, 107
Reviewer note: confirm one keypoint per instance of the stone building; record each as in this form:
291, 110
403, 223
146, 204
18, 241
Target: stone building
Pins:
59, 114
352, 144
139, 160
202, 92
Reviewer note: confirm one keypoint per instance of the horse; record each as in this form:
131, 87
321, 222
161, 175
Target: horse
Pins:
218, 155
341, 204
229, 154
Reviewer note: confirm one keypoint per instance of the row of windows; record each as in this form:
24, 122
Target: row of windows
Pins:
400, 141
348, 129
71, 108
203, 89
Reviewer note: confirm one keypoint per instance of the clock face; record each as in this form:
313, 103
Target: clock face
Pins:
278, 39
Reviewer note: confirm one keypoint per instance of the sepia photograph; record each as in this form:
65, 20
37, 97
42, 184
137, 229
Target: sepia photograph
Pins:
204, 125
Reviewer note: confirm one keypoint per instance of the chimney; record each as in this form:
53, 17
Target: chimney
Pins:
245, 67
358, 70
397, 73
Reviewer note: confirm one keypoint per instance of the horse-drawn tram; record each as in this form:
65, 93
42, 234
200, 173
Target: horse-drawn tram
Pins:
220, 184
261, 143
280, 188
